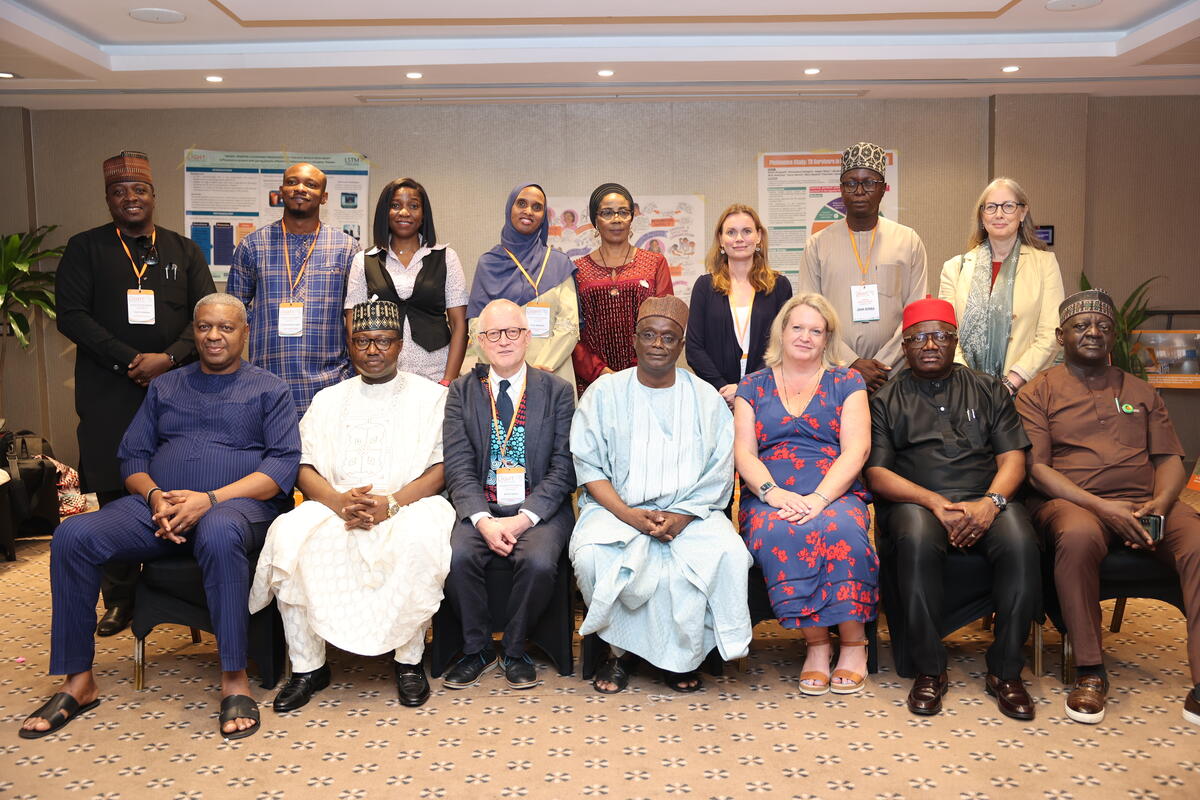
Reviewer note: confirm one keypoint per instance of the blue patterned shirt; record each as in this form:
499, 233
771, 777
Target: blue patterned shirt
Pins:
258, 277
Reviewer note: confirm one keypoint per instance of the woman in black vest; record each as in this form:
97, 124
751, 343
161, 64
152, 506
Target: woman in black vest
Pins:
408, 267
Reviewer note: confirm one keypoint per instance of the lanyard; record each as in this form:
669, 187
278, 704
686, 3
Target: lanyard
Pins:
139, 274
287, 255
854, 243
487, 385
532, 282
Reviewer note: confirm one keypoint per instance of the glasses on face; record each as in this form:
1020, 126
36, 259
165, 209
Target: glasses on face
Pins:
494, 334
649, 337
382, 343
608, 214
939, 337
1009, 207
869, 185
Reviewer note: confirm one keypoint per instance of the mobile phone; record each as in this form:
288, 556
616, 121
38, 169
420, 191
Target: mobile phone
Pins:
1153, 525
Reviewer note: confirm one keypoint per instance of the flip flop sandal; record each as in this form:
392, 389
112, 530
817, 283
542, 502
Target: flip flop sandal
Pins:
616, 670
234, 706
58, 711
676, 680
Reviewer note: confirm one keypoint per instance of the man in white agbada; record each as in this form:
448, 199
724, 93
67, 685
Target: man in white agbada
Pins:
360, 564
658, 563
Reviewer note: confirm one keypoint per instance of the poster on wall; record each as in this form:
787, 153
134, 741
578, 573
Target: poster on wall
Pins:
800, 193
670, 224
1170, 357
228, 194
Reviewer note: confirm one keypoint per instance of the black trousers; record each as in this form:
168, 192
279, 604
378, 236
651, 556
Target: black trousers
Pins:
919, 546
535, 565
118, 578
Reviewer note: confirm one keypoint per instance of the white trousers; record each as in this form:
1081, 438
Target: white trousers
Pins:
307, 650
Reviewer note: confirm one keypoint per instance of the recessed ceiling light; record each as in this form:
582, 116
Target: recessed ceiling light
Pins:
605, 73
812, 71
213, 78
1071, 5
413, 75
7, 75
1010, 69
159, 16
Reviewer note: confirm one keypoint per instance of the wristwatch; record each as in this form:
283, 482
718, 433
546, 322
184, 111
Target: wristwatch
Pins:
766, 487
393, 506
1000, 500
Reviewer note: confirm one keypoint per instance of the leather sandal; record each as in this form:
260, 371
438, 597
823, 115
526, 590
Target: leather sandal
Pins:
676, 681
58, 711
234, 706
856, 681
821, 679
616, 670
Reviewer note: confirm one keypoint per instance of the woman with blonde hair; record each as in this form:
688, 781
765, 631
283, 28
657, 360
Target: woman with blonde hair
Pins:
732, 306
802, 432
1005, 289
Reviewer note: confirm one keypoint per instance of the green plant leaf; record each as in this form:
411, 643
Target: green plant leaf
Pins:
20, 327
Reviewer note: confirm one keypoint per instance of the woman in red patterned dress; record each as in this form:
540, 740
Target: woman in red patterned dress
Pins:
612, 281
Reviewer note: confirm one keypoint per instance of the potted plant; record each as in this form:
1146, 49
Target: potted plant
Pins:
22, 289
1130, 316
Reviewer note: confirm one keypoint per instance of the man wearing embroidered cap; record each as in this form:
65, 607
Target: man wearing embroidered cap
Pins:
360, 564
868, 267
1104, 455
656, 559
947, 451
125, 294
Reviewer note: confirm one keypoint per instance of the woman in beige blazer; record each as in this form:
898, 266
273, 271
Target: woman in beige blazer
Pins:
1005, 290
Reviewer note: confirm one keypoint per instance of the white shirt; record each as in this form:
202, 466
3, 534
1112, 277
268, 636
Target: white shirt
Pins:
516, 388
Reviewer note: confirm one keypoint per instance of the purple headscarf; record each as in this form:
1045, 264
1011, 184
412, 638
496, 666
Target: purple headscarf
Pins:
497, 276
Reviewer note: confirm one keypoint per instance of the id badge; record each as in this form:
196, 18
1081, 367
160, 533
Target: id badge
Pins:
540, 320
510, 486
864, 301
291, 319
140, 303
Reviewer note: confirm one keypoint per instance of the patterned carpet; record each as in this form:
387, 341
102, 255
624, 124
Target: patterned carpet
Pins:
748, 734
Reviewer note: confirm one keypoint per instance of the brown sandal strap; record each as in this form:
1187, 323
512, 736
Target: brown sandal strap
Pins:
863, 643
846, 674
813, 675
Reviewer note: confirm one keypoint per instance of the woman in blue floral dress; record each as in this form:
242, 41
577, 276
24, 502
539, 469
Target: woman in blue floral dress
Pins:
803, 433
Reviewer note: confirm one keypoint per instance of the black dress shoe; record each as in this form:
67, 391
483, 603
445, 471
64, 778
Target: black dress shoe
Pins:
925, 696
469, 669
520, 672
1011, 697
115, 620
411, 684
300, 689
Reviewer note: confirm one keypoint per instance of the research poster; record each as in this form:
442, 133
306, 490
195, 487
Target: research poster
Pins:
672, 225
800, 193
229, 194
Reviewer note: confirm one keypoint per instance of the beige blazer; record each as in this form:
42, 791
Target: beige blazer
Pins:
1037, 291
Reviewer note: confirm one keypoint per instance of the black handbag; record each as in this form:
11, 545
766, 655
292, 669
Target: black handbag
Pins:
33, 487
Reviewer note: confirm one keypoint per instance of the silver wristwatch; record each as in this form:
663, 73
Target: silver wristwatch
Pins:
1000, 500
766, 487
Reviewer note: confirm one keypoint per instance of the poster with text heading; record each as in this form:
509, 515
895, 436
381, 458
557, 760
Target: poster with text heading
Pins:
800, 193
229, 194
670, 224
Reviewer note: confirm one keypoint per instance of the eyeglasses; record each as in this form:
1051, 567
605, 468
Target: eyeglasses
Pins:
649, 337
1008, 208
494, 334
382, 343
607, 214
151, 259
868, 186
939, 337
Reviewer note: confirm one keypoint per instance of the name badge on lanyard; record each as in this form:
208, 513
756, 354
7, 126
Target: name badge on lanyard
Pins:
864, 301
540, 320
291, 319
140, 303
291, 315
510, 486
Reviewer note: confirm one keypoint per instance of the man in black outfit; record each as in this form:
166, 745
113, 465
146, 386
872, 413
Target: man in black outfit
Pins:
947, 451
125, 294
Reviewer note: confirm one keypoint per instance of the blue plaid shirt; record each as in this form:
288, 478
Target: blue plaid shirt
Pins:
258, 277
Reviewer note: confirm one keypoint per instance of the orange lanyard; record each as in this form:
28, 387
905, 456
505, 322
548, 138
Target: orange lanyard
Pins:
487, 384
854, 243
532, 282
139, 274
287, 255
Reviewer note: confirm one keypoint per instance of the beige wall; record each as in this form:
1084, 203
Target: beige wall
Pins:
470, 156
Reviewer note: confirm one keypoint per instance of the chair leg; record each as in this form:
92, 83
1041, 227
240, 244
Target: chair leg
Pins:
1037, 648
195, 635
986, 622
1118, 615
139, 664
1068, 661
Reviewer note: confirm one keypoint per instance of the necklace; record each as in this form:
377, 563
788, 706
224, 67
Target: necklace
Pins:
613, 270
815, 380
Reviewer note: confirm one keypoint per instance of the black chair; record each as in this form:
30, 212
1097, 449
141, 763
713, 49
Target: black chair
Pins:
7, 525
1124, 573
171, 590
553, 632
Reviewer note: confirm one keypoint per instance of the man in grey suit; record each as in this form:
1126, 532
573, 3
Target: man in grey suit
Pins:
506, 445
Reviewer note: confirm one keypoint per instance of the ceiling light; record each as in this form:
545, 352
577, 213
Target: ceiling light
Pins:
1071, 5
605, 73
159, 16
413, 75
213, 78
812, 71
1013, 68
4, 75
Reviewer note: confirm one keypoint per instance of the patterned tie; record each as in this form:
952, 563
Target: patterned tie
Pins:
504, 406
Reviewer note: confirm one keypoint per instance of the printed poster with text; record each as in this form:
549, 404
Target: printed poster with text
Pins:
800, 193
670, 224
228, 195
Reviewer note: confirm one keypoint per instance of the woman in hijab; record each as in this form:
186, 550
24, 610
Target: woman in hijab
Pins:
535, 276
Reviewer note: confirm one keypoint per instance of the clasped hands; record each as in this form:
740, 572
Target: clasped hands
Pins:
965, 521
361, 509
1122, 516
501, 533
176, 512
145, 367
662, 525
793, 507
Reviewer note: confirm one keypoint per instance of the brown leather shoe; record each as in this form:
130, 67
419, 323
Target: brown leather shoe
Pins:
1085, 703
1011, 697
1191, 708
925, 696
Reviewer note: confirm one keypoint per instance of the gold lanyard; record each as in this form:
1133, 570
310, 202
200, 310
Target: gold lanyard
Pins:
287, 254
532, 282
512, 424
139, 274
870, 249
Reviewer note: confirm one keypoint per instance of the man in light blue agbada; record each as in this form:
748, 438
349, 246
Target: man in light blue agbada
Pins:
660, 566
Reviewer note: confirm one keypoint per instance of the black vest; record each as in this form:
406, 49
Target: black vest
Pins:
426, 309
